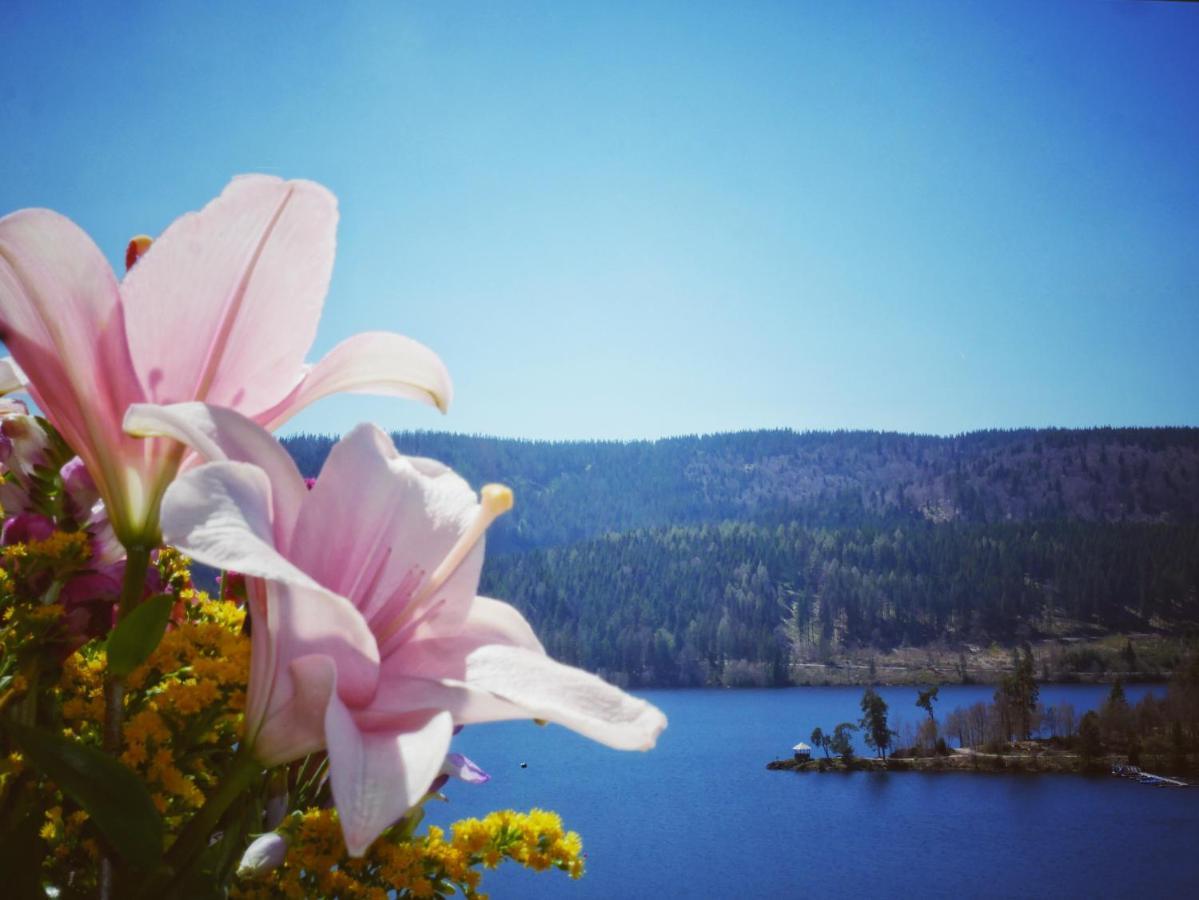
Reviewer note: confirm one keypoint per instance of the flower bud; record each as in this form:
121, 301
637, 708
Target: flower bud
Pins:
265, 854
80, 488
136, 250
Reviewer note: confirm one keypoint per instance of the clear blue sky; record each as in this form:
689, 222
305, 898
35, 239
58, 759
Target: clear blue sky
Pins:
634, 220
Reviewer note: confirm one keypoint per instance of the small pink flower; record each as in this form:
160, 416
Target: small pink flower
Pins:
87, 510
233, 586
464, 769
23, 450
89, 603
80, 488
461, 767
89, 599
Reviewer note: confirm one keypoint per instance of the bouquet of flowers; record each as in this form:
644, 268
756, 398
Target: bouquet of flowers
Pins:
278, 735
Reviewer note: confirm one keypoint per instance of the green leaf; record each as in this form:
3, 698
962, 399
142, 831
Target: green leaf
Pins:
137, 634
113, 796
22, 849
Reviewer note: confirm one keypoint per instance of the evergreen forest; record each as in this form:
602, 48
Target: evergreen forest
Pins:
749, 558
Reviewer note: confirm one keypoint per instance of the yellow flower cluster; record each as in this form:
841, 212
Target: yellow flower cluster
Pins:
62, 547
183, 718
70, 547
175, 569
63, 835
535, 840
24, 613
183, 705
25, 628
30, 575
418, 867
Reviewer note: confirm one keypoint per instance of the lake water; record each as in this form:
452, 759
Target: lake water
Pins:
700, 816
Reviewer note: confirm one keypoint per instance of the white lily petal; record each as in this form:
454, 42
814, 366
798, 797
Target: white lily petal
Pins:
375, 523
11, 376
377, 777
495, 683
533, 683
294, 726
220, 514
219, 434
224, 305
374, 362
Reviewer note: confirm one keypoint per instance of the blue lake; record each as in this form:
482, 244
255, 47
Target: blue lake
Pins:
700, 816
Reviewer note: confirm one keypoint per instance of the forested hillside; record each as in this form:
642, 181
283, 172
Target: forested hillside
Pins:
749, 558
570, 491
683, 605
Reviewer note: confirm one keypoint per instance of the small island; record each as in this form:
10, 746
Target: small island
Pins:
1021, 759
1152, 741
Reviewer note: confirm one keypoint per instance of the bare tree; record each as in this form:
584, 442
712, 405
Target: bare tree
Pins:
1067, 722
955, 725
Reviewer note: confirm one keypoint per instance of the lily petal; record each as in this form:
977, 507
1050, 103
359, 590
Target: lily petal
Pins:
494, 669
374, 362
263, 669
495, 622
218, 434
307, 622
497, 683
377, 777
60, 314
219, 514
295, 726
203, 306
11, 376
377, 523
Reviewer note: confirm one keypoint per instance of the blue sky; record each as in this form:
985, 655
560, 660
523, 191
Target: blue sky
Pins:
632, 220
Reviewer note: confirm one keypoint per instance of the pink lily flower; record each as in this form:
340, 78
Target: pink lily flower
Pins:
222, 308
368, 639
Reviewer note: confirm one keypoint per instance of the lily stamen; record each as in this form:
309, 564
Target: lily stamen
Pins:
494, 501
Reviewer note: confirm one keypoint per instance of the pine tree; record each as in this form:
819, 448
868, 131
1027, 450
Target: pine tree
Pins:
874, 722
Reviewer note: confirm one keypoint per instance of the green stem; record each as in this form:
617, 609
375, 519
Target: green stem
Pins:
196, 833
133, 586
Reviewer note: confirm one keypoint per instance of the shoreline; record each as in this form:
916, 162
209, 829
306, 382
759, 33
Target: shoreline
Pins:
886, 683
968, 760
924, 677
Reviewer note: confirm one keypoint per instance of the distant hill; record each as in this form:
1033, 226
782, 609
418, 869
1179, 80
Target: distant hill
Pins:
749, 558
573, 490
